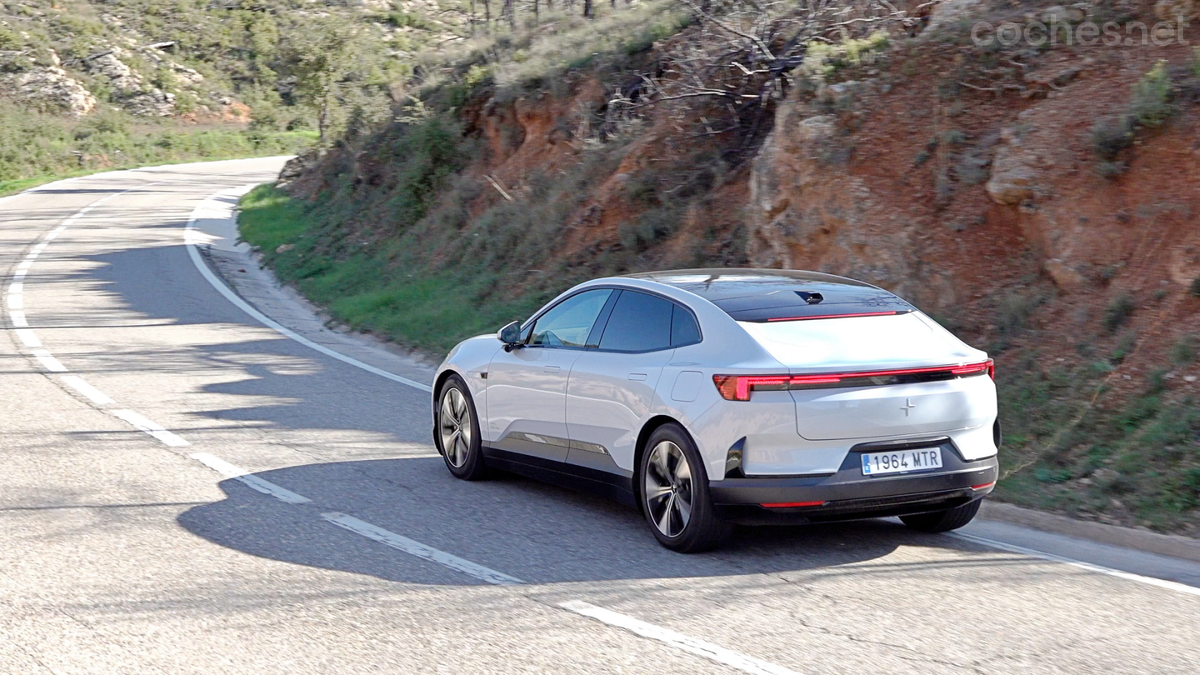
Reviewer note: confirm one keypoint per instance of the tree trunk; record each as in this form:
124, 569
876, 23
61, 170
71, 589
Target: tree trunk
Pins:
587, 8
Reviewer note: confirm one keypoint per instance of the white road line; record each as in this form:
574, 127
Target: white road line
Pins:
16, 288
746, 664
18, 318
28, 338
148, 426
83, 387
245, 477
1129, 576
420, 550
728, 657
191, 239
15, 301
48, 361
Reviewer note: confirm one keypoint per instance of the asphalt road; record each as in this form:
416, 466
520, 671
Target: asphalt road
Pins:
185, 489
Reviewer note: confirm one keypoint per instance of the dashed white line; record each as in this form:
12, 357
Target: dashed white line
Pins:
148, 426
216, 210
728, 657
1128, 576
245, 477
18, 319
416, 548
48, 361
83, 387
28, 338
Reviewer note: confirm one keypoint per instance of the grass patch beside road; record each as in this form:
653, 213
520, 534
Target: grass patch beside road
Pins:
372, 289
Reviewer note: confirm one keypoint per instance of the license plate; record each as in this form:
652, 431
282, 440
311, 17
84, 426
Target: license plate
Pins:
901, 461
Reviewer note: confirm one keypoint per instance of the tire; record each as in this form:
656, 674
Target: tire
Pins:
943, 521
673, 493
456, 430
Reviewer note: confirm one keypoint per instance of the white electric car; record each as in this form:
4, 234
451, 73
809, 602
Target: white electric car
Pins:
719, 396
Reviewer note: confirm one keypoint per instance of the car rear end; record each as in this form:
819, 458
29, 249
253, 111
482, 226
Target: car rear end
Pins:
890, 413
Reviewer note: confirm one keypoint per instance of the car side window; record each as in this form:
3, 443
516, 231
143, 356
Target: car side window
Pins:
568, 323
639, 323
684, 330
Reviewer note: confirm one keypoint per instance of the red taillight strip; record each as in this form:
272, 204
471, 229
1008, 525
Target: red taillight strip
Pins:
790, 505
831, 316
742, 385
956, 370
983, 486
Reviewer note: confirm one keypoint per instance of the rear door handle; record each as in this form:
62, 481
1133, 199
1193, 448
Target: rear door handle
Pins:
638, 377
552, 369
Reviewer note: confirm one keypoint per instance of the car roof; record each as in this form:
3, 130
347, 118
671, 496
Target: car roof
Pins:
773, 295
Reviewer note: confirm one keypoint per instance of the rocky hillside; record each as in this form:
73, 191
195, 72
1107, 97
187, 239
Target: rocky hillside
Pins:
1040, 200
95, 84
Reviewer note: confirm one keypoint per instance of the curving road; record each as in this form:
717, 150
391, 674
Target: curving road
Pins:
185, 488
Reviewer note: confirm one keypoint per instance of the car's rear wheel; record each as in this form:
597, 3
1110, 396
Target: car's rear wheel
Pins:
674, 493
457, 430
943, 521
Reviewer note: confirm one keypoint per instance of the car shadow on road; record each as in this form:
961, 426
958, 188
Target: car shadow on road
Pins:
533, 531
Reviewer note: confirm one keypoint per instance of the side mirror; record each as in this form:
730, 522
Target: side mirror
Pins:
510, 335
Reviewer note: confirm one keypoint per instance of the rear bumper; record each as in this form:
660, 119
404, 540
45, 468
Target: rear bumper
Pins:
848, 495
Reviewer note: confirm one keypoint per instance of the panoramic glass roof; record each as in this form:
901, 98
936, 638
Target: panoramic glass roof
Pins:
782, 295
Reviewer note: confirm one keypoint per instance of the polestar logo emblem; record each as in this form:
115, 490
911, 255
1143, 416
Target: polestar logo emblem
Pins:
908, 405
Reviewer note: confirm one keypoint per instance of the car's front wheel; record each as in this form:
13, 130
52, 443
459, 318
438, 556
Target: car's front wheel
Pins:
457, 430
943, 521
674, 493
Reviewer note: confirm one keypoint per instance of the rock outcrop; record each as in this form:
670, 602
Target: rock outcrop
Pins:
131, 90
1014, 171
49, 89
807, 212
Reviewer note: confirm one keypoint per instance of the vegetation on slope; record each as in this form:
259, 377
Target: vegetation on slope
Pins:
36, 147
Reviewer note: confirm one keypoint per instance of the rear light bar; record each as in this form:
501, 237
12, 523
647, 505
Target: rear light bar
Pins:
739, 387
790, 505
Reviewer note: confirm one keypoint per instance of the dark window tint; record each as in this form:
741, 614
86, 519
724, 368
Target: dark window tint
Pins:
568, 323
775, 295
684, 330
639, 323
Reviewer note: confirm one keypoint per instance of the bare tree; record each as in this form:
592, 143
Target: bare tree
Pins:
743, 56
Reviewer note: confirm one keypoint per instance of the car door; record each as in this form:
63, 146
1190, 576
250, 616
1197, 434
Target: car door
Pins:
527, 385
612, 388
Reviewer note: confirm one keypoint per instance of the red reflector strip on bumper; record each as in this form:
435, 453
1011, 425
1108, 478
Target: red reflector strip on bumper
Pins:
790, 505
985, 485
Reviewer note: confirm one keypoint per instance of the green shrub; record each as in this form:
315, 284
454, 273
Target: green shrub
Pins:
1151, 97
1183, 351
1110, 137
1118, 312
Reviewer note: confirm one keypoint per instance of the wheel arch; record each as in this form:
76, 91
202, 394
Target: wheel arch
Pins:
433, 412
649, 428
